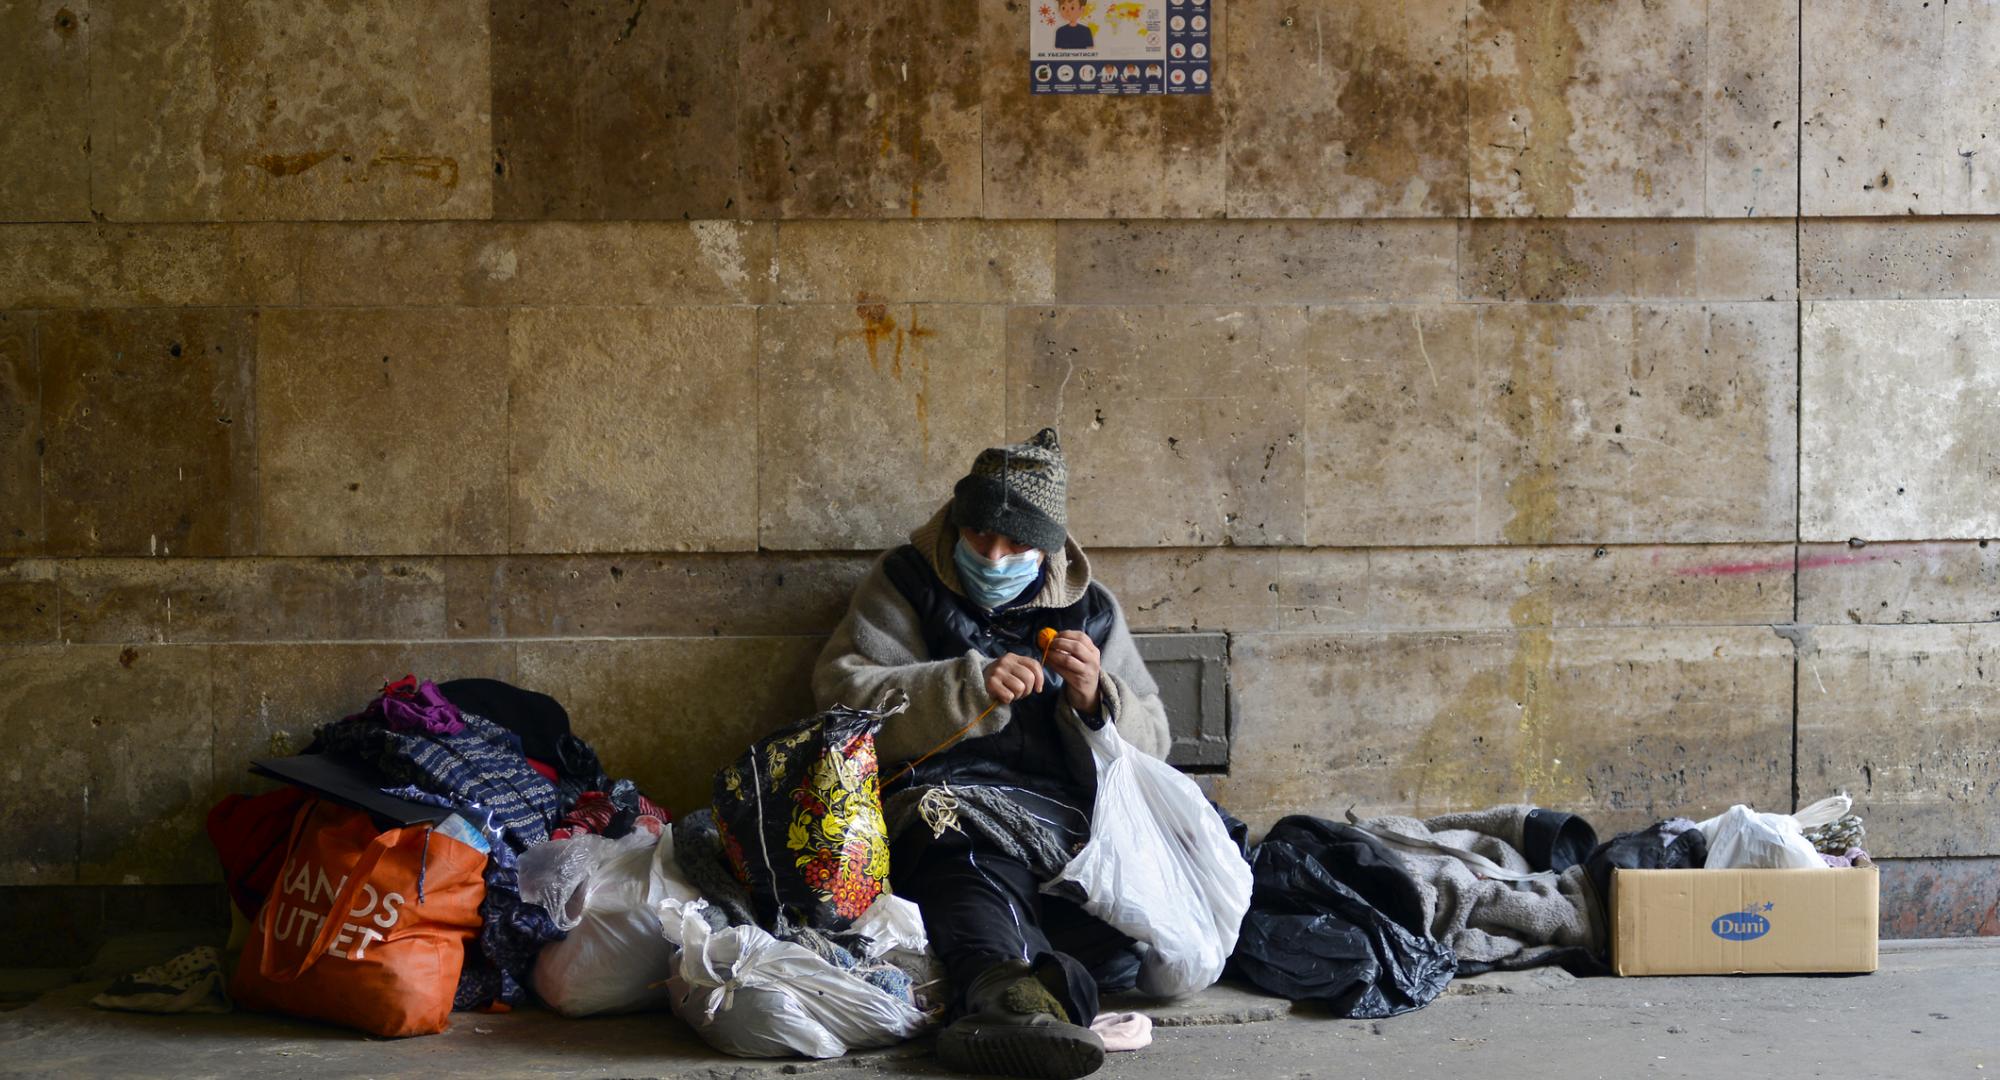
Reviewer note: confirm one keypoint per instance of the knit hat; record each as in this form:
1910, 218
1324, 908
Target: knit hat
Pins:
1019, 491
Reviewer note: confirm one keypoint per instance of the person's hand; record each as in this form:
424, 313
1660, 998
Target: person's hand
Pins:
1012, 677
1074, 656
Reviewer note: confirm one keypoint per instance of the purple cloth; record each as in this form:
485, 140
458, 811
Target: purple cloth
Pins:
407, 705
1848, 858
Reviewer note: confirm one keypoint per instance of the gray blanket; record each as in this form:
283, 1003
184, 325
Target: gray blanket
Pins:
1471, 905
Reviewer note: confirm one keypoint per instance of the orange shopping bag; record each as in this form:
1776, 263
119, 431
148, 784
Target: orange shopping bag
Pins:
364, 928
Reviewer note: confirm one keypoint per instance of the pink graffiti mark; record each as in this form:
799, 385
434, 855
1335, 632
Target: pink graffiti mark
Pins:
1810, 562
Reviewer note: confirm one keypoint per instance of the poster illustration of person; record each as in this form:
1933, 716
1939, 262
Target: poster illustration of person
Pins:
1071, 35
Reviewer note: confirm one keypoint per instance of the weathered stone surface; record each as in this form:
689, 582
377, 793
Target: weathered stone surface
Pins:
1392, 418
1216, 588
632, 429
27, 601
873, 111
1900, 583
1619, 110
261, 110
1626, 260
1342, 109
1905, 258
930, 261
1182, 426
1899, 109
150, 425
45, 81
170, 265
669, 712
1901, 420
207, 600
1246, 590
1624, 725
383, 431
673, 596
867, 414
1585, 110
110, 778
1253, 262
480, 264
620, 110
1045, 156
1751, 109
270, 698
1901, 718
22, 524
1637, 423
1672, 586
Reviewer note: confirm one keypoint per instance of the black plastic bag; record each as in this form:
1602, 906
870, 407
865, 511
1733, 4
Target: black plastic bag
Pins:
1312, 936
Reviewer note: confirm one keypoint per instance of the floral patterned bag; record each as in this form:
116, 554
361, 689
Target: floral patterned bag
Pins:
801, 818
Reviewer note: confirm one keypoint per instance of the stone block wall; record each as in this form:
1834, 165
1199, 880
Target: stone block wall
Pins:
1583, 402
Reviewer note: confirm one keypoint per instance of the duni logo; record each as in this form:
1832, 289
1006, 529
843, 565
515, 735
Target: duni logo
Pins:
1741, 925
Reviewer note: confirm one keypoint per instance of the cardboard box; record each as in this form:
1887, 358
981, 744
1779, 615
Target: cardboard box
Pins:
1727, 922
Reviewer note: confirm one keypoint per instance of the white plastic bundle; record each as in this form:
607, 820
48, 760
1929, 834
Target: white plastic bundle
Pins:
747, 993
1744, 839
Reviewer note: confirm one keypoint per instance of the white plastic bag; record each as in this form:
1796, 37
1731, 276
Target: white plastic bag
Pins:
894, 929
747, 993
1160, 867
603, 892
1743, 839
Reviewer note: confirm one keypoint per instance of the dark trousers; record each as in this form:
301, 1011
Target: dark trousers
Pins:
982, 907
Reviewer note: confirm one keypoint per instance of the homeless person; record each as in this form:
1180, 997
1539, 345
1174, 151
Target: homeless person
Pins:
955, 619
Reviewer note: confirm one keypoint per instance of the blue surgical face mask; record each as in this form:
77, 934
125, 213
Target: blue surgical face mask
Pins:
992, 582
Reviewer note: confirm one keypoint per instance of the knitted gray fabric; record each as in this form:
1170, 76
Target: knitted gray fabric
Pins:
1019, 490
990, 813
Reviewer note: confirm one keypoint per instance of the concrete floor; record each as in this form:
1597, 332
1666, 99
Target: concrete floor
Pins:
1933, 1010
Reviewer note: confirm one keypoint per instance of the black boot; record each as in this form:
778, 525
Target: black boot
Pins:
1014, 1027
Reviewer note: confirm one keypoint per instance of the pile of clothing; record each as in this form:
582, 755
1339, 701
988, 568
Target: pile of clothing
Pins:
1374, 917
468, 814
766, 921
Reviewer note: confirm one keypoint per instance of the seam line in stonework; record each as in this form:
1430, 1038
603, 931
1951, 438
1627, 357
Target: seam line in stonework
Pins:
1335, 631
1798, 374
1169, 302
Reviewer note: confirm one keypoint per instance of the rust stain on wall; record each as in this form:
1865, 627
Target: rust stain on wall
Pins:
1546, 46
444, 170
1452, 765
1530, 408
1545, 768
876, 325
290, 164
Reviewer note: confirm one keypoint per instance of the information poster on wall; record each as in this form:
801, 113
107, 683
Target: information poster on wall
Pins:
1123, 47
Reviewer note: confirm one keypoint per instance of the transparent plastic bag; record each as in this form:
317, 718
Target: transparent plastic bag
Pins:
1160, 867
1744, 839
604, 893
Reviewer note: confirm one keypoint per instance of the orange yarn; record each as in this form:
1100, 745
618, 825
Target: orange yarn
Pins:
1046, 638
